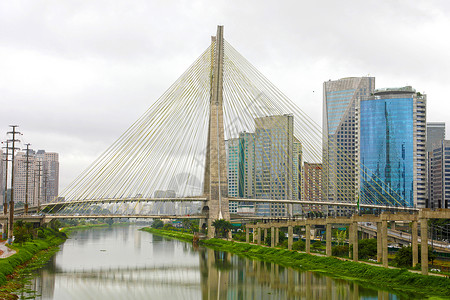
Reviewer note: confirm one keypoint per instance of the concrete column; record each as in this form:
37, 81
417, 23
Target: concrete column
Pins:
414, 244
259, 236
4, 230
355, 241
393, 225
277, 236
272, 237
424, 245
265, 234
379, 242
355, 295
308, 238
384, 243
247, 235
328, 251
254, 235
290, 237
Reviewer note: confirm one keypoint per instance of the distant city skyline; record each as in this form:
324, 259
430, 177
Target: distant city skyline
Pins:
76, 75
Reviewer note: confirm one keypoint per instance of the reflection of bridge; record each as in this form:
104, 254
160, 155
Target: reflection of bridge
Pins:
182, 138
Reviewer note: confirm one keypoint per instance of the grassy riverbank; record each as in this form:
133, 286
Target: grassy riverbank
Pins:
399, 280
28, 257
69, 229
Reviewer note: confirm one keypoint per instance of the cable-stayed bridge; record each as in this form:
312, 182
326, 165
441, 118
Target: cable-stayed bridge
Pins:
221, 133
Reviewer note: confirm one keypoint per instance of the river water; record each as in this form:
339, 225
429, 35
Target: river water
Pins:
125, 263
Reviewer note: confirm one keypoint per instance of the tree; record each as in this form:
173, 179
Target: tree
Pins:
341, 235
23, 232
403, 257
157, 224
222, 227
367, 248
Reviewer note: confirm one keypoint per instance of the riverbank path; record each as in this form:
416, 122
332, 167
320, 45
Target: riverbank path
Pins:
5, 251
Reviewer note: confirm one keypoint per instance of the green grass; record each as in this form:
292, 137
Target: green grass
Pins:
397, 280
186, 237
27, 250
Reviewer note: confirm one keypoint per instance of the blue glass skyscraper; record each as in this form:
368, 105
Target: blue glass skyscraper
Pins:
392, 147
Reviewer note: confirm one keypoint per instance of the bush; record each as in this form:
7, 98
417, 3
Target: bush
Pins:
299, 245
157, 224
316, 245
367, 248
339, 250
403, 257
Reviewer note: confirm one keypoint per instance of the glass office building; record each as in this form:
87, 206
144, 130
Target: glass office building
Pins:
392, 148
341, 100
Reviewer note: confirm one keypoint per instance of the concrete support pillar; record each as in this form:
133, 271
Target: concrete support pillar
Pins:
254, 235
265, 234
290, 237
393, 225
247, 235
424, 245
355, 240
328, 242
259, 236
379, 243
384, 243
355, 295
4, 230
308, 238
414, 244
277, 236
272, 237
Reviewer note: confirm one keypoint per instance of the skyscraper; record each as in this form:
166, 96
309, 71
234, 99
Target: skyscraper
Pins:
435, 135
232, 151
43, 177
247, 165
392, 147
341, 100
274, 162
313, 181
439, 175
2, 179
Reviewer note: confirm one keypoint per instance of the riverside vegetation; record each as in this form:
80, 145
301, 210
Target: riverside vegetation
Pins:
399, 280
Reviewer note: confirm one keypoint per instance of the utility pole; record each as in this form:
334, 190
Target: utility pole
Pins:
39, 186
45, 184
5, 202
11, 202
26, 182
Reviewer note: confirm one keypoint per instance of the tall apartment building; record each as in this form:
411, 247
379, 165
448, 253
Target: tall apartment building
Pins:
43, 177
439, 175
240, 163
265, 165
435, 135
341, 100
2, 179
274, 162
392, 147
232, 151
312, 182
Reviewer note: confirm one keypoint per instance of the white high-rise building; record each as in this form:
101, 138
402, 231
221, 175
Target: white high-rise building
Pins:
43, 177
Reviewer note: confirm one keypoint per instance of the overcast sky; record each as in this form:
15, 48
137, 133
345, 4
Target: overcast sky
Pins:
74, 75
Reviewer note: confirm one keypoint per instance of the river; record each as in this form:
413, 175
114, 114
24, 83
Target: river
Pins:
125, 263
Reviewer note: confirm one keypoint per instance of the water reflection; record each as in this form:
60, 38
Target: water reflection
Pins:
224, 276
117, 263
